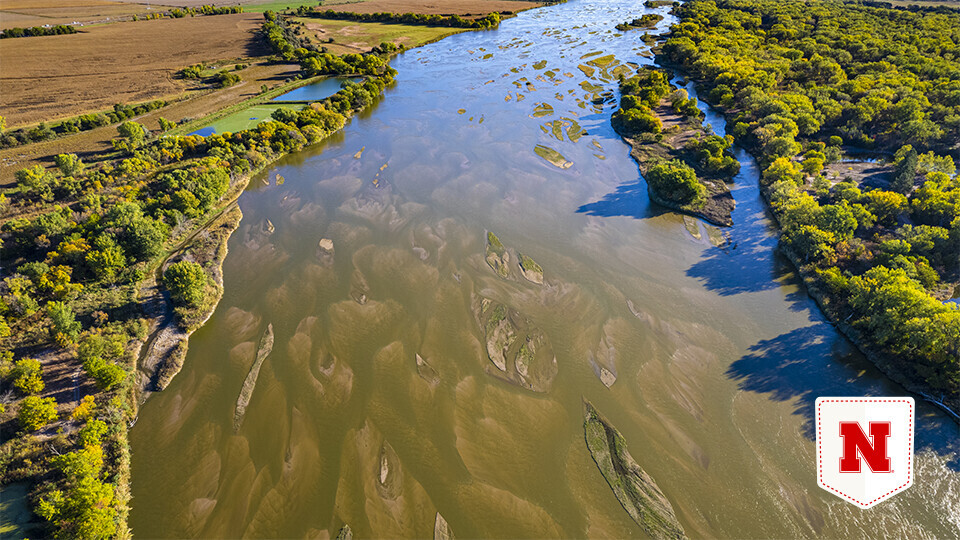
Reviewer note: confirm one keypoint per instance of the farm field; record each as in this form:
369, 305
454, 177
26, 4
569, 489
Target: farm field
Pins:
91, 144
60, 76
25, 13
353, 37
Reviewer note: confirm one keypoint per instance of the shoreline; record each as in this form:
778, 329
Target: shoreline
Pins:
882, 361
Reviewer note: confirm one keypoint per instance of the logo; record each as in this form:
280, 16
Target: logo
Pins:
865, 447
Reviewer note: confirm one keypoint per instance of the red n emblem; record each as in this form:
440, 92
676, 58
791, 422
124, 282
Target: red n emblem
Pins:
873, 450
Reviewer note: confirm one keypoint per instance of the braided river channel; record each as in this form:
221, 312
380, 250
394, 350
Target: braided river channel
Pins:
380, 406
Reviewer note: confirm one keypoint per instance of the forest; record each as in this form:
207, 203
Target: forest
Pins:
805, 85
81, 239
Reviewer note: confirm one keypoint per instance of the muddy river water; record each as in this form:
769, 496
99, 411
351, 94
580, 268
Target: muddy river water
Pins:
379, 405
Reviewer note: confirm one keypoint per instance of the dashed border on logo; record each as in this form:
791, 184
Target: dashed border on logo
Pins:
820, 452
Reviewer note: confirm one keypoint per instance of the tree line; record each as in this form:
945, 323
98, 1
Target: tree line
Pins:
18, 32
801, 82
492, 20
84, 122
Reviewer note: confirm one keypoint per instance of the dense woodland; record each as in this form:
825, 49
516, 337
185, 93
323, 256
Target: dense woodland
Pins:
78, 242
804, 84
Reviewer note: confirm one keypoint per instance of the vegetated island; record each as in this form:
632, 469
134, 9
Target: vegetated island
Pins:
686, 167
646, 21
637, 492
120, 259
877, 241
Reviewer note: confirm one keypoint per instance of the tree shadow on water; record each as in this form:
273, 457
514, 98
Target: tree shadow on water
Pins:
743, 265
629, 200
815, 361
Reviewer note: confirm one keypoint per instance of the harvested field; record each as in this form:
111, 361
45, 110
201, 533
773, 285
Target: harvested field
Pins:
434, 7
94, 144
353, 37
26, 13
47, 78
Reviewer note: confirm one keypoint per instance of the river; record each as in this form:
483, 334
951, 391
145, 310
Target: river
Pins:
718, 353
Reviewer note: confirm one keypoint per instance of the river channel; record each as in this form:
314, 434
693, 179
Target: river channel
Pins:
713, 355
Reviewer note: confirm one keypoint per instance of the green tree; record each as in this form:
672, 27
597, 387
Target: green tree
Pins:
886, 205
36, 181
144, 239
133, 136
92, 432
85, 508
27, 376
782, 168
106, 374
166, 125
66, 328
676, 181
36, 412
69, 164
905, 172
186, 282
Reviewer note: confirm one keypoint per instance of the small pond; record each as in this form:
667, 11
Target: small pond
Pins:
316, 91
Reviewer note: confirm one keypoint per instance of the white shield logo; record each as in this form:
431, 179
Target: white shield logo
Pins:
865, 447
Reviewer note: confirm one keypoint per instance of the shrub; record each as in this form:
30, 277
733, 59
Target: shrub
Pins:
26, 376
92, 432
36, 412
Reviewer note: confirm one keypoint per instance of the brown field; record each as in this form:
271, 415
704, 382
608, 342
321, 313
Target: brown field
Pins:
54, 77
26, 13
431, 7
94, 144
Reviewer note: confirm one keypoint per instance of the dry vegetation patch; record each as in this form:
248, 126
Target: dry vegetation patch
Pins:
53, 77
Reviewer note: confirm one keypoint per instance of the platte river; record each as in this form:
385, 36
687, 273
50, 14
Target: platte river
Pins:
718, 353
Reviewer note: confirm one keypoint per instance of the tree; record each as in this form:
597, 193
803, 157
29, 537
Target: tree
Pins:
905, 172
36, 181
85, 508
782, 168
26, 376
144, 239
36, 412
133, 136
66, 328
886, 205
186, 282
106, 374
676, 181
166, 125
69, 164
92, 432
106, 259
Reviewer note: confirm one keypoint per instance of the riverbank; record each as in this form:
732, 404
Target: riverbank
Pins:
872, 248
155, 355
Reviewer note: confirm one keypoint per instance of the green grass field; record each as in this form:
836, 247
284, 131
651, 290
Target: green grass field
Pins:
365, 36
277, 6
250, 117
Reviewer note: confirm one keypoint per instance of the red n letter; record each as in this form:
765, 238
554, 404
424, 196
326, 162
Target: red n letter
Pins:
875, 452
